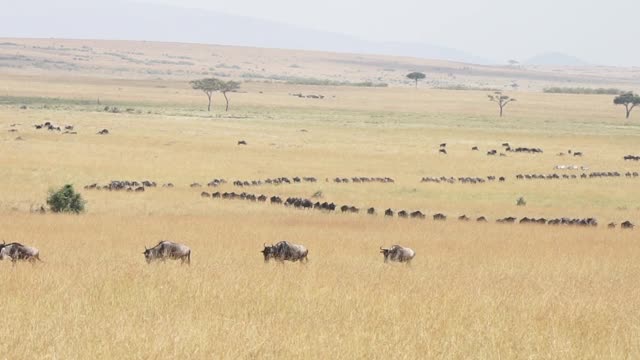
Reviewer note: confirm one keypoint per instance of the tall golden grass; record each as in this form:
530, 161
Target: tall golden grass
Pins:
480, 291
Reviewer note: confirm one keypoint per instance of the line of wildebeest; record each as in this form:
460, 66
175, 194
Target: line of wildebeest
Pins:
554, 176
139, 186
167, 250
308, 204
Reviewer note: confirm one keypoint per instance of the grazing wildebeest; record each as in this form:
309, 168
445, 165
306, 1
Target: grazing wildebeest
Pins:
481, 219
18, 252
439, 217
475, 148
443, 145
398, 253
285, 250
276, 200
242, 142
443, 151
417, 215
371, 211
611, 225
463, 218
388, 212
627, 225
168, 250
403, 214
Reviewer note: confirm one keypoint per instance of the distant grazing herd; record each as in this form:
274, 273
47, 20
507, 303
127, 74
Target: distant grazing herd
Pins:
506, 147
554, 176
68, 129
462, 179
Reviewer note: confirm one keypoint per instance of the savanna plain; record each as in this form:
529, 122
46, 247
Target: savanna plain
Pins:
473, 291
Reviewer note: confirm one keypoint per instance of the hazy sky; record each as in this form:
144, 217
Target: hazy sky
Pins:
596, 30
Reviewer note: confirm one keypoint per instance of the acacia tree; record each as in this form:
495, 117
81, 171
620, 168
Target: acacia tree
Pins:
228, 86
416, 76
207, 86
629, 100
501, 100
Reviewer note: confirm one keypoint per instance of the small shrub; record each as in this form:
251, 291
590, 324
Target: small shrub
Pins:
521, 201
66, 200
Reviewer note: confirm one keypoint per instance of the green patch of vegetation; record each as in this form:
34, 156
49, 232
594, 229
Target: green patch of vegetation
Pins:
465, 88
296, 80
66, 200
579, 90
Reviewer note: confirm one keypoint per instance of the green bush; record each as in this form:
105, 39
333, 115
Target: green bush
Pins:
66, 200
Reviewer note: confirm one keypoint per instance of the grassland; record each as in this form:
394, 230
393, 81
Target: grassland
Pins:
482, 291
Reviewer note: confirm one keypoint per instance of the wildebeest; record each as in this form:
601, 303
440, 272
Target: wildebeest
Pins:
168, 250
627, 225
17, 251
398, 253
439, 217
371, 211
285, 251
242, 142
443, 151
388, 212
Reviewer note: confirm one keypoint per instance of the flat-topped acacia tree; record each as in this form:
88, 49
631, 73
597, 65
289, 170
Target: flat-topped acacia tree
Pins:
208, 87
416, 76
226, 87
501, 100
629, 100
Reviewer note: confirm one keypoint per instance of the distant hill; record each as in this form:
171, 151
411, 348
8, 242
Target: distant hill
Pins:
555, 59
130, 20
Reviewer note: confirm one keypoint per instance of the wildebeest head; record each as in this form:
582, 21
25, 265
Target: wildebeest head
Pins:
267, 252
385, 253
2, 251
148, 255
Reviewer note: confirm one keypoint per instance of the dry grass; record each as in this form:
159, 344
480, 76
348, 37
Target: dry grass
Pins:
480, 291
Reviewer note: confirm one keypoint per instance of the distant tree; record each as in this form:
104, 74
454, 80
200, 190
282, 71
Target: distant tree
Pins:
501, 100
513, 62
629, 100
416, 76
228, 86
208, 86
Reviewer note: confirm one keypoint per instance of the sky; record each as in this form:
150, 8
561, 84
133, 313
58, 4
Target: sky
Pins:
600, 32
